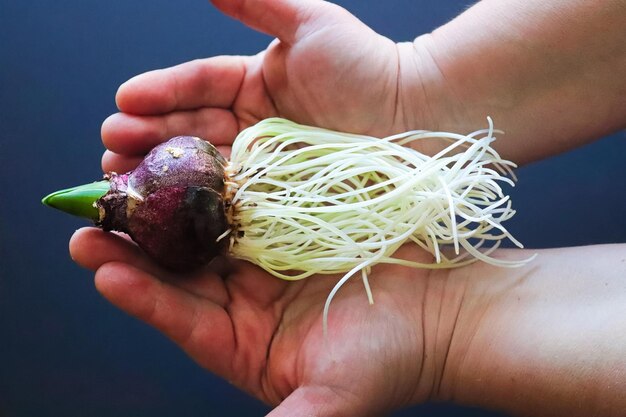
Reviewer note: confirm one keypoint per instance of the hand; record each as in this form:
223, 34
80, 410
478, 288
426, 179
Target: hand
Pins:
265, 335
325, 68
546, 339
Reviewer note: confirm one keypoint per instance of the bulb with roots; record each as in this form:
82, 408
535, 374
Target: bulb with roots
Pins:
299, 200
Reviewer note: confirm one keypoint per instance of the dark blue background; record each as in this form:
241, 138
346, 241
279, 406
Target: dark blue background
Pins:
63, 349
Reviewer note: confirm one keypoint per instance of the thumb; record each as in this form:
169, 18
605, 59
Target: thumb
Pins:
287, 20
320, 402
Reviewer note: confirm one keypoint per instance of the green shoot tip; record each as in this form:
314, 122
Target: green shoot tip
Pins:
78, 201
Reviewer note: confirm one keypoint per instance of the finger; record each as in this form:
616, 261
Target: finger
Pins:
91, 247
287, 20
113, 162
211, 82
135, 135
201, 328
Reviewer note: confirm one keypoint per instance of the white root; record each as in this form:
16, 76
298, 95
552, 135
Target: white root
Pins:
307, 201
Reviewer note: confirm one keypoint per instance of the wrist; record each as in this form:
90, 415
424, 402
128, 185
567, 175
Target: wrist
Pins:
441, 298
549, 87
473, 358
426, 98
544, 339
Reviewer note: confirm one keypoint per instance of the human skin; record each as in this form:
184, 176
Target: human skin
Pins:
545, 339
548, 72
